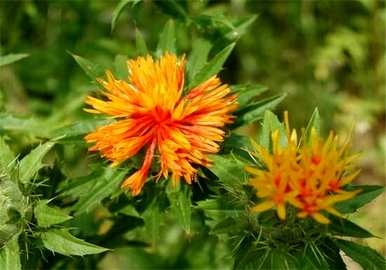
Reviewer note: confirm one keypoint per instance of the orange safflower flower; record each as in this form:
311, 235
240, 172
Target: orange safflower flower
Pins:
309, 176
153, 113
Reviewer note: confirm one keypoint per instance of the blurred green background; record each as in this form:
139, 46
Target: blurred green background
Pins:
325, 54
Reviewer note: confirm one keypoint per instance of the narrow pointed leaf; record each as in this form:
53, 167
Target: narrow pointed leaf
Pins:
213, 66
247, 93
10, 256
255, 111
47, 216
6, 157
92, 70
32, 163
11, 58
198, 56
61, 241
368, 258
367, 194
344, 227
103, 187
140, 43
167, 39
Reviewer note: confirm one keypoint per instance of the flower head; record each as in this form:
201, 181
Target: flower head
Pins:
309, 176
152, 113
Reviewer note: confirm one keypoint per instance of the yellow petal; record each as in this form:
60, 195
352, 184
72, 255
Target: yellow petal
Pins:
320, 218
281, 211
264, 206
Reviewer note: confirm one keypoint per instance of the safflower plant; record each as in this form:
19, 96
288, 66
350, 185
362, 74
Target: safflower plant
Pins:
168, 182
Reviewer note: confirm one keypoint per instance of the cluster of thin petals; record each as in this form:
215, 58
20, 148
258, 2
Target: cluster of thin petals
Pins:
311, 176
153, 115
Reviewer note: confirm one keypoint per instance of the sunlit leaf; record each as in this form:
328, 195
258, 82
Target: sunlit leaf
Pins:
10, 256
32, 163
198, 56
61, 241
47, 215
6, 157
11, 58
167, 39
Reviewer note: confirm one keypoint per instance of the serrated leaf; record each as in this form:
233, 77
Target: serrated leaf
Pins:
367, 194
239, 28
92, 70
247, 93
6, 158
344, 227
11, 58
198, 57
255, 111
78, 128
32, 163
32, 126
213, 66
140, 43
229, 170
118, 10
368, 258
167, 39
47, 216
61, 241
10, 256
180, 205
103, 187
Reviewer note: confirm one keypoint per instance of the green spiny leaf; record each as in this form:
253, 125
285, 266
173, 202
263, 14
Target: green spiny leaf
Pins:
61, 241
368, 258
367, 194
213, 66
198, 57
167, 39
247, 93
10, 256
255, 111
104, 186
92, 70
47, 216
6, 158
32, 163
180, 204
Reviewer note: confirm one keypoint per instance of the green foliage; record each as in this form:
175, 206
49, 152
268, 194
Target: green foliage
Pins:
61, 241
10, 58
307, 51
365, 256
47, 216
